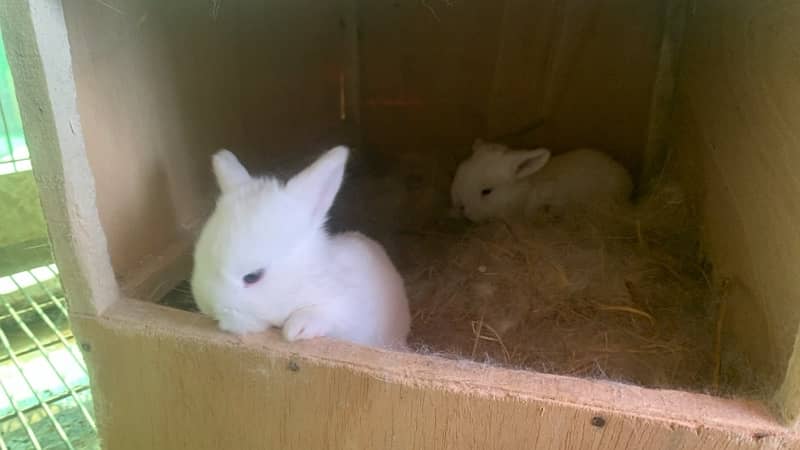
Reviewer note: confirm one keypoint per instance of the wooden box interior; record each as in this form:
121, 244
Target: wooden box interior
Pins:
161, 85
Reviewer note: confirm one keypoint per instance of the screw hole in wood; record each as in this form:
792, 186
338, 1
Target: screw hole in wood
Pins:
598, 422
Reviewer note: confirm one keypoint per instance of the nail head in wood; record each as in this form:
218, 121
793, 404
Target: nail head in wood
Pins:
598, 422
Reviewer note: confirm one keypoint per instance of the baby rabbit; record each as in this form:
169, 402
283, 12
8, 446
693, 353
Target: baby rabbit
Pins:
497, 182
264, 259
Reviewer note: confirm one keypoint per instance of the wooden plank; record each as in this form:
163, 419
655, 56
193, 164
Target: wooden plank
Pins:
538, 46
36, 37
160, 273
131, 114
351, 71
788, 396
738, 112
162, 86
426, 70
656, 149
168, 379
584, 68
291, 56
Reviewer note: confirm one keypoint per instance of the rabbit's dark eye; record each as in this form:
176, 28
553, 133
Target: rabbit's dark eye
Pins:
253, 277
486, 192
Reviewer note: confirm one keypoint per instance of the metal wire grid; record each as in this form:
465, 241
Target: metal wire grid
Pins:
44, 396
14, 155
17, 158
43, 306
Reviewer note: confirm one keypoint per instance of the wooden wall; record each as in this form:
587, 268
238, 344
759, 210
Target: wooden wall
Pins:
191, 386
42, 69
162, 85
168, 379
738, 112
441, 73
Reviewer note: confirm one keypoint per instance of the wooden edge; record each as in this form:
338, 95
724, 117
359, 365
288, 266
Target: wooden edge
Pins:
159, 274
787, 397
353, 69
656, 148
39, 55
693, 411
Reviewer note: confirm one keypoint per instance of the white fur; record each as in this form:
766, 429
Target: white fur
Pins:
342, 286
523, 182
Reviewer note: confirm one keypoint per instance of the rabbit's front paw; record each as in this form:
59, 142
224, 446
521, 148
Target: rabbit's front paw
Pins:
304, 324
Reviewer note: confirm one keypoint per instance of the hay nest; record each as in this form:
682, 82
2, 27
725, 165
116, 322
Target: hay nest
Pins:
568, 299
618, 296
615, 296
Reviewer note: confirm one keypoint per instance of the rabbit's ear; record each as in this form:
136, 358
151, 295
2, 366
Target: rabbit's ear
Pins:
317, 185
478, 144
229, 171
523, 163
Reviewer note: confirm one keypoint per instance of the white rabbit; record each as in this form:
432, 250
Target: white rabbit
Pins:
265, 259
497, 182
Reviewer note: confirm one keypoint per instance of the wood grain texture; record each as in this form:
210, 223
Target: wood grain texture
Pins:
426, 70
538, 46
738, 112
38, 52
158, 89
586, 68
656, 150
162, 85
452, 71
192, 387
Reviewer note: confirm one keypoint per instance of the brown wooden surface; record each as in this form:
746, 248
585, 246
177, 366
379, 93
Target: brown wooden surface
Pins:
168, 379
655, 153
453, 71
150, 117
736, 134
162, 85
38, 52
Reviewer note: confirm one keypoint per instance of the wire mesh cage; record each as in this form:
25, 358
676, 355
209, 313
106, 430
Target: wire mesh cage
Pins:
14, 155
45, 402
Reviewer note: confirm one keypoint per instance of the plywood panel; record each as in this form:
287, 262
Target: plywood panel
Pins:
538, 44
426, 69
585, 68
129, 116
740, 95
190, 386
746, 326
296, 60
655, 154
162, 85
39, 57
136, 125
447, 72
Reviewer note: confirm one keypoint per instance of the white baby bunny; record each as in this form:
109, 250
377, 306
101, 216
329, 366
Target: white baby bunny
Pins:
497, 182
264, 259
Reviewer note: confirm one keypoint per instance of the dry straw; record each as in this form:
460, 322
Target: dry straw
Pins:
611, 295
599, 294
